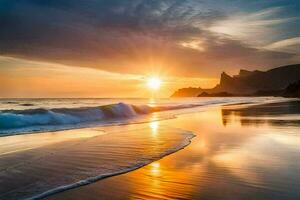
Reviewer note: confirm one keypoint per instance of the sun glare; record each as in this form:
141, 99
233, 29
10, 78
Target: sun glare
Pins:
154, 83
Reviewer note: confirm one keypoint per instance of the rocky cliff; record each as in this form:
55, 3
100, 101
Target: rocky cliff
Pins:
249, 82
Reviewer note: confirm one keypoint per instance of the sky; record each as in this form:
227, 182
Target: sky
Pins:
108, 48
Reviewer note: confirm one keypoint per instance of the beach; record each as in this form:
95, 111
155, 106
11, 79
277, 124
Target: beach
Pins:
240, 149
253, 156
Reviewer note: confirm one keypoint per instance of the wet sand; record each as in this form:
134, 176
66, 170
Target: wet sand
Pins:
240, 152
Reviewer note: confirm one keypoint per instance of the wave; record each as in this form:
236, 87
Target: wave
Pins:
62, 116
40, 119
22, 119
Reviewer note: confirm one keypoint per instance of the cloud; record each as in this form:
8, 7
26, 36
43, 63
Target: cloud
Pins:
180, 37
289, 45
256, 28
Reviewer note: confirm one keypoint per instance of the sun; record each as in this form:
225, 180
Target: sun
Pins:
154, 83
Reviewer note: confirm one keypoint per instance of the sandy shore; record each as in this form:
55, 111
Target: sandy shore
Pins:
239, 153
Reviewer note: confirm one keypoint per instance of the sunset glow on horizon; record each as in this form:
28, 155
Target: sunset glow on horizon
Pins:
23, 78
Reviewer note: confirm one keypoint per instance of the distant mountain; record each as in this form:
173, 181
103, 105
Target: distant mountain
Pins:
219, 94
188, 92
249, 82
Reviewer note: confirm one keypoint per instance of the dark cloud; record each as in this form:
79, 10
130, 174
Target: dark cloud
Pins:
125, 36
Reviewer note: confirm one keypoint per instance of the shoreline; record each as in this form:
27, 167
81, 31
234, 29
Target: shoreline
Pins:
92, 180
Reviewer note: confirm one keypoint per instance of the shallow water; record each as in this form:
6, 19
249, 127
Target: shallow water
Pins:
239, 152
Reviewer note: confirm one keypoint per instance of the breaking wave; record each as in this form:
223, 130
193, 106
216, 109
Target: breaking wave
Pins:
22, 119
41, 119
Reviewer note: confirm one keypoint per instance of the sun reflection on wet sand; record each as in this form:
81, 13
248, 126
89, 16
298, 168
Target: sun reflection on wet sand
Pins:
155, 171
